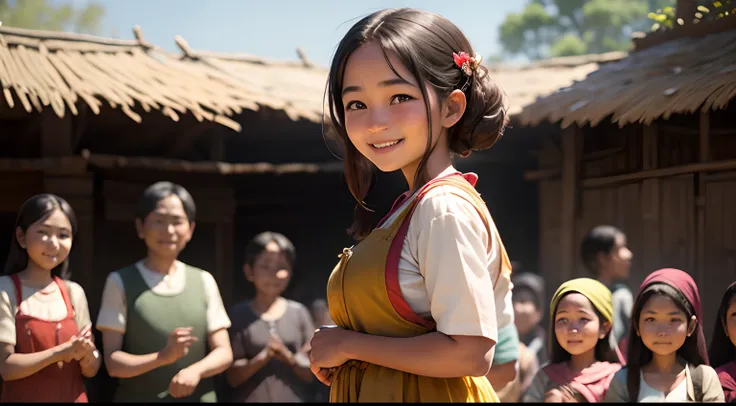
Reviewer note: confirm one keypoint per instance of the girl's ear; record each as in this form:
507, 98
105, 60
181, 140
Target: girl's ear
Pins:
248, 271
20, 236
725, 327
605, 329
453, 108
139, 228
691, 326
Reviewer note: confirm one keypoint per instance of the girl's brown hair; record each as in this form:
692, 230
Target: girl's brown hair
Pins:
424, 43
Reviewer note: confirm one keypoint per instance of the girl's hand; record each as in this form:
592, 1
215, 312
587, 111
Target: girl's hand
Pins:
327, 347
324, 375
184, 383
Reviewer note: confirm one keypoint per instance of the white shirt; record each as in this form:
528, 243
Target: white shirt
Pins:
446, 270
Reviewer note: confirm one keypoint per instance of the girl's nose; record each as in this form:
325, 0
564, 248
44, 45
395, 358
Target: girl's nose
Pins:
378, 122
54, 241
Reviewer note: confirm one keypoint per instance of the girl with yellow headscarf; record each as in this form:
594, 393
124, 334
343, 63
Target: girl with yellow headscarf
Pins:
582, 353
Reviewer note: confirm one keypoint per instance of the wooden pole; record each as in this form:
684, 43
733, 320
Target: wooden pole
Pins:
703, 157
650, 203
570, 174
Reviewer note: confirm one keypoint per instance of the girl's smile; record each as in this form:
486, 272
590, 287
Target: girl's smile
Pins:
386, 146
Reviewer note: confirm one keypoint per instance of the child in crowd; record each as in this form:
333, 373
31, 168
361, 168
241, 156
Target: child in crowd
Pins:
606, 255
667, 359
270, 334
722, 354
46, 343
581, 317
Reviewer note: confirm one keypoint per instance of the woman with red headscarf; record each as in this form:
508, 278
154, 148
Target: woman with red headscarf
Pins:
667, 358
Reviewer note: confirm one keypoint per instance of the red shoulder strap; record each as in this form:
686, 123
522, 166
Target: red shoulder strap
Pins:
65, 295
18, 291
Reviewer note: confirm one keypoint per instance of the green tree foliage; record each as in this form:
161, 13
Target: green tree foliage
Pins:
665, 18
51, 15
547, 28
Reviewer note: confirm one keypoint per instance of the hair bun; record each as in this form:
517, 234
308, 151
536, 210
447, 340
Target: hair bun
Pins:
485, 116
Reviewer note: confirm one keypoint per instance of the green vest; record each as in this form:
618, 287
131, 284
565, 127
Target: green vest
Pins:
150, 320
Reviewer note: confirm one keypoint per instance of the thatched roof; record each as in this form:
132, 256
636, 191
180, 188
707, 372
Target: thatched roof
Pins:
40, 69
297, 88
681, 75
525, 84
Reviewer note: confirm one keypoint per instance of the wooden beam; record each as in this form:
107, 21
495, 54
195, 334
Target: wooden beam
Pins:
637, 176
59, 165
661, 173
542, 174
571, 142
673, 129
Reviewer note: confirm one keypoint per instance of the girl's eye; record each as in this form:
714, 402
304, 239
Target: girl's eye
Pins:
64, 236
675, 321
355, 105
649, 320
562, 320
401, 98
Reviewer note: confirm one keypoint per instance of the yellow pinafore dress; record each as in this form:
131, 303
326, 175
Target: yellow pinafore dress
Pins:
364, 295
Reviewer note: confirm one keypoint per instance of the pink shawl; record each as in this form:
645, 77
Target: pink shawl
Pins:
592, 382
727, 376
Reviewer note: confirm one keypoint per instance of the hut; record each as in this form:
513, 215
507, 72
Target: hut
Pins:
96, 120
646, 143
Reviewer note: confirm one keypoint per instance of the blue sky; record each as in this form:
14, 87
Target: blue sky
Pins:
275, 28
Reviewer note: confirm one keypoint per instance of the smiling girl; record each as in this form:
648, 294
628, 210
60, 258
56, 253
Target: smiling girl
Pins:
414, 299
582, 353
667, 361
46, 343
722, 352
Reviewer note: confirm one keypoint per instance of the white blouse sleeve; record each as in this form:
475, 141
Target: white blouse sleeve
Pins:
451, 246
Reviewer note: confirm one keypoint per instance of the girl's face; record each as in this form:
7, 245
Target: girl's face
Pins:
663, 327
166, 230
271, 271
577, 326
385, 115
47, 241
526, 313
730, 322
618, 261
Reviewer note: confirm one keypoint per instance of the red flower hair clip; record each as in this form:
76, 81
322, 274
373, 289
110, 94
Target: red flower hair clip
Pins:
467, 63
